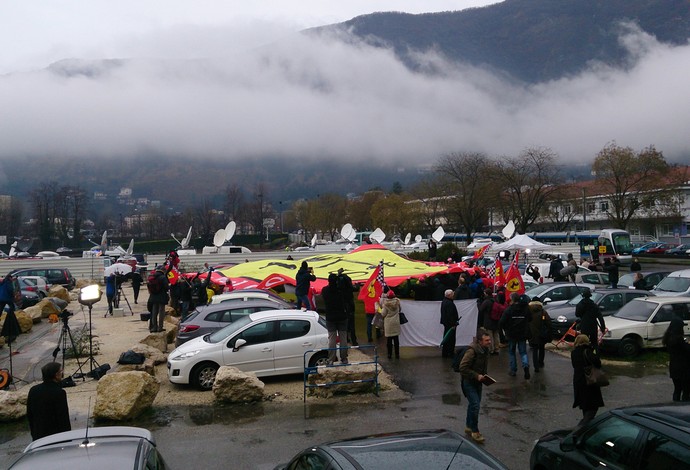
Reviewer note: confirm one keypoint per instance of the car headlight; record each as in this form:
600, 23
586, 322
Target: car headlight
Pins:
561, 319
185, 355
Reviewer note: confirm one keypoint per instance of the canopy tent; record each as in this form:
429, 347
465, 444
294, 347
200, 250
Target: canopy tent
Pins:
521, 242
358, 264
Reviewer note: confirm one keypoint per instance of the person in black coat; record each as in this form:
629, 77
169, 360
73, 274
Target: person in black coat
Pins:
347, 288
587, 397
158, 299
516, 323
46, 404
137, 280
611, 267
303, 279
590, 317
336, 319
679, 359
449, 320
635, 266
555, 269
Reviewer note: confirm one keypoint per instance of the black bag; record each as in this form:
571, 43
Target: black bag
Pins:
131, 357
596, 376
403, 318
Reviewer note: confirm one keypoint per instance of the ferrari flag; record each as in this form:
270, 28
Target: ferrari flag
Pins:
372, 290
478, 254
514, 283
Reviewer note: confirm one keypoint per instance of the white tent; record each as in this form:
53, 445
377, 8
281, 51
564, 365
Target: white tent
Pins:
521, 242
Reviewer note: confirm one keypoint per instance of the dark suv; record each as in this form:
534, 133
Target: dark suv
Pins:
639, 437
54, 276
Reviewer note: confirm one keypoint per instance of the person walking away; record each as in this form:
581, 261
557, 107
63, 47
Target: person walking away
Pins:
611, 267
336, 319
137, 280
586, 397
390, 311
484, 311
590, 317
635, 266
515, 322
46, 404
541, 332
303, 279
157, 285
573, 263
679, 355
449, 320
110, 292
347, 288
473, 368
497, 309
639, 283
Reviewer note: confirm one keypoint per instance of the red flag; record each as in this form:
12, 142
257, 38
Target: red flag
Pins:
372, 290
514, 282
480, 252
495, 271
173, 275
274, 280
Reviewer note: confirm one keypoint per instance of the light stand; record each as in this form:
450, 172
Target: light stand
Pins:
88, 296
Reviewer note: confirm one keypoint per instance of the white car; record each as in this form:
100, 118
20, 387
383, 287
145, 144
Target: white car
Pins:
267, 343
675, 284
642, 322
248, 294
37, 284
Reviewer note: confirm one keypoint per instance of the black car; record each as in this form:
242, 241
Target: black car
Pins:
428, 450
636, 438
608, 300
651, 279
54, 276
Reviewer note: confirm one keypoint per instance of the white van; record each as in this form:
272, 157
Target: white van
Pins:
675, 284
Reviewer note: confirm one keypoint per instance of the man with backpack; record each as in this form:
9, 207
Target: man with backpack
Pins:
515, 322
157, 285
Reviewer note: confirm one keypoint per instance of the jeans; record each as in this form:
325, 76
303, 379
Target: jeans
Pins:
337, 329
157, 316
522, 348
473, 391
303, 300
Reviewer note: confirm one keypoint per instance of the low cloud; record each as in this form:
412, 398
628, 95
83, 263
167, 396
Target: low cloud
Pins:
308, 97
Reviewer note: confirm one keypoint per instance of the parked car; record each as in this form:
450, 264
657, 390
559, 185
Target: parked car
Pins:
651, 279
206, 319
429, 450
638, 437
660, 249
593, 277
676, 283
251, 294
37, 284
267, 343
99, 447
642, 322
645, 247
54, 276
557, 293
680, 250
608, 300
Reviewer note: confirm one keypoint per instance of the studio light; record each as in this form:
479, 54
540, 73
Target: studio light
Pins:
90, 295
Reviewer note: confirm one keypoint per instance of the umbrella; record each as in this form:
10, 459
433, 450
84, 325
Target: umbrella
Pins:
117, 268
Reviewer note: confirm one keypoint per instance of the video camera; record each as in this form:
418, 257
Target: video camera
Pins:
64, 315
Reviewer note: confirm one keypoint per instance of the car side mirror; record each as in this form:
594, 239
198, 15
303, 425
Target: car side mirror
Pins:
546, 300
569, 443
238, 344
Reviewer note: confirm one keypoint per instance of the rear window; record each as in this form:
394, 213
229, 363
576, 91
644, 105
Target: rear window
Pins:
637, 310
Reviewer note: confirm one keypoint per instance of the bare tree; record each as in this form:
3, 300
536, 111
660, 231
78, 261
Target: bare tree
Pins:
429, 196
393, 215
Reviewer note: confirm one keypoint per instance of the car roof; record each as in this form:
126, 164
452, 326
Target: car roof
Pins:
675, 415
267, 314
244, 294
662, 300
680, 273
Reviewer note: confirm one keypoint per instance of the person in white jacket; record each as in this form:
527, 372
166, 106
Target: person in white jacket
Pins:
390, 311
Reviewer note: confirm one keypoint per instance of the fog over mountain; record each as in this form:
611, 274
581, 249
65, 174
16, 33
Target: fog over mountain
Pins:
335, 97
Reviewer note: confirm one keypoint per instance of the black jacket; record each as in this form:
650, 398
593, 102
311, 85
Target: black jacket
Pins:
335, 307
449, 313
515, 322
303, 280
47, 410
586, 397
590, 317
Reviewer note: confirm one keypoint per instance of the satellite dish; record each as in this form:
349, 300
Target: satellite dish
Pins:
509, 230
377, 235
130, 248
418, 238
437, 236
230, 230
347, 232
219, 238
23, 244
408, 237
313, 241
187, 239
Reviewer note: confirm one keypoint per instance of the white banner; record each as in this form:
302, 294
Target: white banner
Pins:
424, 328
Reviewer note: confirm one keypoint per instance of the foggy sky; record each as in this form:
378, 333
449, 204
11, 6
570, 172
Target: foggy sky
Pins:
254, 86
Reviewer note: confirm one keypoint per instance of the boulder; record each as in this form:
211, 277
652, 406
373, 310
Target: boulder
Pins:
148, 366
234, 386
157, 340
13, 404
151, 352
174, 321
2, 339
41, 310
25, 321
59, 292
123, 396
327, 375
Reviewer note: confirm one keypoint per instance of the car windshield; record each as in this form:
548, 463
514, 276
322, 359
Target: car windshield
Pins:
229, 330
596, 297
536, 291
674, 284
636, 310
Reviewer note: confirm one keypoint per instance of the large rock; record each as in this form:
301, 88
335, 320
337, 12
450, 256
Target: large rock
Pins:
59, 292
13, 404
41, 310
123, 396
234, 386
329, 375
25, 321
157, 340
150, 352
147, 366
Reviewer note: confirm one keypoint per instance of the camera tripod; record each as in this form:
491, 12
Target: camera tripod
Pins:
66, 334
121, 295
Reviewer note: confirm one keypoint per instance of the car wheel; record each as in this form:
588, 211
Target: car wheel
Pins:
41, 296
629, 347
203, 375
319, 359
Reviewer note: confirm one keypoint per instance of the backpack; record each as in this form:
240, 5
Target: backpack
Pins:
154, 284
497, 311
457, 358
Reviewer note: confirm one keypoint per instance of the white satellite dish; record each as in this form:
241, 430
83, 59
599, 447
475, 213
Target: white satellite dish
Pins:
377, 235
313, 241
509, 230
130, 248
347, 232
408, 237
418, 238
219, 238
230, 230
438, 234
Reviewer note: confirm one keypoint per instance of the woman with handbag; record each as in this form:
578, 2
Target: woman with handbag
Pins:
390, 311
540, 326
587, 397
